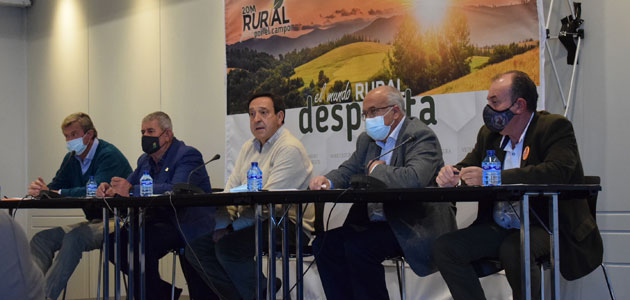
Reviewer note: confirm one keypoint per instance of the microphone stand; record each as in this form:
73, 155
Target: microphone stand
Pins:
367, 182
186, 188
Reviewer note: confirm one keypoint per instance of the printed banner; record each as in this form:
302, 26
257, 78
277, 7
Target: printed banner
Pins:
324, 56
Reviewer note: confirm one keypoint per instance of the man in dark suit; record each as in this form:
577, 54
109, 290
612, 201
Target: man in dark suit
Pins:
168, 161
349, 258
534, 147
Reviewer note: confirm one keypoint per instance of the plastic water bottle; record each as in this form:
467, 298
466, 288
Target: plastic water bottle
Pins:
146, 185
254, 178
491, 169
90, 188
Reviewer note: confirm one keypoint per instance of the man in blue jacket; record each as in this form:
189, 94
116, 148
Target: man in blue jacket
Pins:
168, 161
88, 156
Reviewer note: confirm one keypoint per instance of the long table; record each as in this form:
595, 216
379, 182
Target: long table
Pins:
518, 192
509, 192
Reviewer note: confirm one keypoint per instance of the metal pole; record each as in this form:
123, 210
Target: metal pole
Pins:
526, 279
117, 253
259, 247
131, 245
106, 255
575, 60
570, 2
299, 257
549, 15
403, 288
555, 249
142, 286
173, 275
285, 253
555, 71
271, 256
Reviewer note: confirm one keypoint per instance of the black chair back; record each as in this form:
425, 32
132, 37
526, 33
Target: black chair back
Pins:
592, 199
319, 217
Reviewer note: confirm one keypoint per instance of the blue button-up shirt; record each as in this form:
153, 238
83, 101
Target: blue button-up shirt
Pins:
375, 210
507, 213
85, 163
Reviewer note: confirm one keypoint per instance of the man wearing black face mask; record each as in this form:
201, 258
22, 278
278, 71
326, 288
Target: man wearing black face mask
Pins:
168, 161
534, 147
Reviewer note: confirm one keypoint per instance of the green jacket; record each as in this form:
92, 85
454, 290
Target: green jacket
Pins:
108, 162
550, 155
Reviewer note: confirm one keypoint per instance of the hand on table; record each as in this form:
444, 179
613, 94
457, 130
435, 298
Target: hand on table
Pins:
37, 186
319, 183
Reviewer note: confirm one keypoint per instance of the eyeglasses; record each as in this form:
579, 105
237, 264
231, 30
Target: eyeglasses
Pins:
371, 113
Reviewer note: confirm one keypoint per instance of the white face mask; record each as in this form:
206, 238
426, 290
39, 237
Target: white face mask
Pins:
76, 145
376, 128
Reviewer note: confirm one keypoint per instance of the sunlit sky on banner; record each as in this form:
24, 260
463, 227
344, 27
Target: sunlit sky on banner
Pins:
300, 13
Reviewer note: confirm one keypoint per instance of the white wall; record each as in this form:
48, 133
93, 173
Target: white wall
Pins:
599, 117
119, 60
13, 102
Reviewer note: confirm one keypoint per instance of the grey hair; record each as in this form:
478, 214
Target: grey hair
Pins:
163, 119
394, 97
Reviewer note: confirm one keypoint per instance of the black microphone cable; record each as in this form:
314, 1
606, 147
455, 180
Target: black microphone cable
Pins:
315, 255
17, 206
188, 247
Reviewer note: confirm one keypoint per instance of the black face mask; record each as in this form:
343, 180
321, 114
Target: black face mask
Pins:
151, 144
497, 120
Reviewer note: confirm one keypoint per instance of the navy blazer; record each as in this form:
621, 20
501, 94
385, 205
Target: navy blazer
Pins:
174, 167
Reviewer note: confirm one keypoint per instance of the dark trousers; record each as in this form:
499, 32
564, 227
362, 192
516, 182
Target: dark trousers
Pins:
160, 239
454, 253
228, 266
349, 260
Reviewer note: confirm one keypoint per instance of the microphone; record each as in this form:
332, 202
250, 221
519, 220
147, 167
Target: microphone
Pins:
409, 139
50, 194
187, 187
365, 181
215, 157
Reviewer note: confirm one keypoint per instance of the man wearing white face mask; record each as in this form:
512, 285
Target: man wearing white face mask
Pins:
349, 258
87, 156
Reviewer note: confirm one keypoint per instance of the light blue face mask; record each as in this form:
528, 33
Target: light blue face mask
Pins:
376, 128
76, 145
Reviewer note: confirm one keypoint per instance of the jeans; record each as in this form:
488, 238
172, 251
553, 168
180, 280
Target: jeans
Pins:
69, 242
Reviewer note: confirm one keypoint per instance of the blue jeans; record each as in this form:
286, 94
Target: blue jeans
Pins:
69, 242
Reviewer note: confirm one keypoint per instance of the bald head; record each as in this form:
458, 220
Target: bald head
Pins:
384, 101
389, 94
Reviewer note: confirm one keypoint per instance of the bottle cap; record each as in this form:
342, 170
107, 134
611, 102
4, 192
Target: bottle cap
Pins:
254, 163
490, 152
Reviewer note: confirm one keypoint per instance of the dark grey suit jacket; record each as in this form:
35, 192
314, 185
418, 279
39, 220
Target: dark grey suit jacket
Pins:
414, 165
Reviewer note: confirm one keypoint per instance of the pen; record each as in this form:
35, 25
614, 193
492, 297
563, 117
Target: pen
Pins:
456, 173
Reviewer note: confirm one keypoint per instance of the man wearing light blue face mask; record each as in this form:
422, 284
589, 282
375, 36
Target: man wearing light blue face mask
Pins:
87, 156
402, 152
